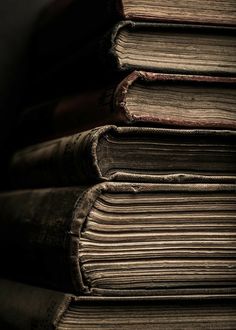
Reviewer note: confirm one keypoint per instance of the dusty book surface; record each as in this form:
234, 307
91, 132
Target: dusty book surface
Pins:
122, 239
141, 98
139, 154
25, 307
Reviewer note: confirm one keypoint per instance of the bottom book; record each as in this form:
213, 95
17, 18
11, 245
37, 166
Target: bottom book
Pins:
27, 307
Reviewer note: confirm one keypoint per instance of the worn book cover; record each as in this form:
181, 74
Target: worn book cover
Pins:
122, 239
141, 98
24, 307
64, 23
139, 154
134, 45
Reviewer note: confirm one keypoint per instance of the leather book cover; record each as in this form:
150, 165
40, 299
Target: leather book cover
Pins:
60, 24
121, 239
120, 50
25, 307
138, 154
180, 101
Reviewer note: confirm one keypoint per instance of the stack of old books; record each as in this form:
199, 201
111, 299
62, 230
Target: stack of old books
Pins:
123, 213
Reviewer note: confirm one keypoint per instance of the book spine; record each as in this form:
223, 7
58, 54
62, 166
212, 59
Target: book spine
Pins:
70, 160
107, 106
120, 94
84, 111
37, 236
25, 307
40, 232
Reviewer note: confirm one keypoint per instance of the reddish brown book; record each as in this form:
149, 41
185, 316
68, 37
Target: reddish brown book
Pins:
133, 45
138, 154
141, 98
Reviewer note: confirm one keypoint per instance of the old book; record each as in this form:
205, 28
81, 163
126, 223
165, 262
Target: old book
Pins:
222, 12
24, 307
140, 154
60, 25
128, 46
122, 239
159, 47
141, 98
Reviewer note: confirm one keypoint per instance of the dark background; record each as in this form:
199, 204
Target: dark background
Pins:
17, 21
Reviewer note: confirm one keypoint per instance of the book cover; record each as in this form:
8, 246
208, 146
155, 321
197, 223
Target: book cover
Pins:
139, 154
133, 45
141, 98
60, 24
122, 239
25, 307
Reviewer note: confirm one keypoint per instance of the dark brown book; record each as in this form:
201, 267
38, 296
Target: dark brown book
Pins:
128, 46
221, 12
122, 239
140, 154
141, 98
60, 25
24, 307
167, 48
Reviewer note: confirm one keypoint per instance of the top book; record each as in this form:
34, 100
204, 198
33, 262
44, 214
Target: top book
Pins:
221, 12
